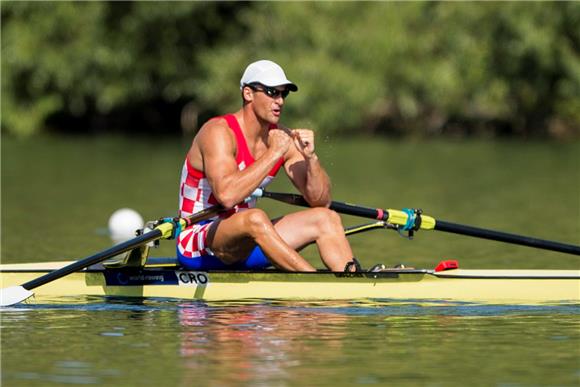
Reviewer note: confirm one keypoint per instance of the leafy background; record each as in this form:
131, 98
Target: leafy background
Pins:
415, 69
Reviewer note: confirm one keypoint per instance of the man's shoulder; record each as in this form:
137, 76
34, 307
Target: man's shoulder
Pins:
216, 122
214, 127
213, 131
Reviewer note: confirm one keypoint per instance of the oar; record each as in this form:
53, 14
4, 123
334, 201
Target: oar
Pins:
379, 224
15, 294
414, 220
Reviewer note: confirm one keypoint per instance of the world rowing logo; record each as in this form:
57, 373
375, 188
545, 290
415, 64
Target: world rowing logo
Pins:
139, 278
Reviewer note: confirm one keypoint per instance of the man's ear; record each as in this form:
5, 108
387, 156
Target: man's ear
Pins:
247, 94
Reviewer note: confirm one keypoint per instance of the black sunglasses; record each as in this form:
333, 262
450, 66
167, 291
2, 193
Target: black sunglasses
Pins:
271, 92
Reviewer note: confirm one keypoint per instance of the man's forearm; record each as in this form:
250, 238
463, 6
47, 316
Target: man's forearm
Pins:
233, 189
317, 187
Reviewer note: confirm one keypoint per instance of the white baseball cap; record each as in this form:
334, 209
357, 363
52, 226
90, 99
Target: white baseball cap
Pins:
267, 73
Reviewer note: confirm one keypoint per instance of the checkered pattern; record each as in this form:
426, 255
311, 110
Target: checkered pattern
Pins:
195, 194
191, 242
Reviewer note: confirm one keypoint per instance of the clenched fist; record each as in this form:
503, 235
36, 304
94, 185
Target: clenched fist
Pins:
304, 141
279, 140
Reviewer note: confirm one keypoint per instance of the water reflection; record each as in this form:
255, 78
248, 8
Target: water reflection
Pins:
118, 341
255, 343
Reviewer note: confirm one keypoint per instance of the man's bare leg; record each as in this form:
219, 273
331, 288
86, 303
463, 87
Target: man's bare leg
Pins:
319, 225
234, 238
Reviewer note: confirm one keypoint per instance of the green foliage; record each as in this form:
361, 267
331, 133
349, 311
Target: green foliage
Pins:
416, 68
83, 56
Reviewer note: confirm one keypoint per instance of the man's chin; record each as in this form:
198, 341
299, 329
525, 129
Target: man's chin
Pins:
270, 118
273, 119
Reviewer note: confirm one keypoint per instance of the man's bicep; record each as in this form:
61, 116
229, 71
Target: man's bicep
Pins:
218, 155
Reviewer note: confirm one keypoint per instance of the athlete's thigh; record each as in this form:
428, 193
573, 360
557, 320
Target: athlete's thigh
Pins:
228, 239
300, 228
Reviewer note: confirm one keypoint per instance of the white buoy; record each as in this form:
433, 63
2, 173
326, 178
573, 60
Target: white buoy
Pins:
123, 223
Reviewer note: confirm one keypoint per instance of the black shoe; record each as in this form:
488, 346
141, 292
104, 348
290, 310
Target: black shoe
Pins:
353, 266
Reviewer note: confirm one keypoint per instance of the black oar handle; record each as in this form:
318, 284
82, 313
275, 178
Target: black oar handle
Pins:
440, 225
500, 236
150, 236
343, 208
93, 259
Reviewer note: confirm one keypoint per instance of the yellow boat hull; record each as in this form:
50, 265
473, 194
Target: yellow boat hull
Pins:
478, 286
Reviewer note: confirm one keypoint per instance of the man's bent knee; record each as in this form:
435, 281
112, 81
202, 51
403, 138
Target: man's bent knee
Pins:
256, 221
326, 218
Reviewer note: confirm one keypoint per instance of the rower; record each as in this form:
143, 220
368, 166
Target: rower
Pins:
234, 154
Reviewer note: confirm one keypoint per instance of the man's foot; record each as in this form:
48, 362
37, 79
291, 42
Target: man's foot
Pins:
353, 266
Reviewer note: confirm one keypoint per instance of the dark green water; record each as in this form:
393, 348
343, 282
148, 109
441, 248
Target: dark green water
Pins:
157, 342
57, 195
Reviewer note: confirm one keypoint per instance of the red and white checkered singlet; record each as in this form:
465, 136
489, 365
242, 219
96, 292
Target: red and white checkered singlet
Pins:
195, 193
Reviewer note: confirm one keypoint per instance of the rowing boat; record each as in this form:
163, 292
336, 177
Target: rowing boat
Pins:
159, 278
162, 278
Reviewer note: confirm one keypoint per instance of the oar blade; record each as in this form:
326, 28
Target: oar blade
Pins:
14, 295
